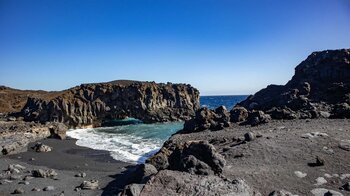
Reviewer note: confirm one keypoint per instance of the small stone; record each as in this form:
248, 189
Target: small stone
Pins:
26, 178
39, 147
49, 188
325, 192
281, 193
15, 177
346, 186
300, 174
24, 182
77, 189
344, 176
250, 136
345, 145
18, 191
5, 181
32, 159
320, 161
36, 189
90, 185
81, 175
320, 181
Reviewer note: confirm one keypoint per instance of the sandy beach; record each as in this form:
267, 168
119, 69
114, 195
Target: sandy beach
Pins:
67, 159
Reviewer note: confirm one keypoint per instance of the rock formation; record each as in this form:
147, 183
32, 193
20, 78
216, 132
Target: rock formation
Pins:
319, 88
91, 104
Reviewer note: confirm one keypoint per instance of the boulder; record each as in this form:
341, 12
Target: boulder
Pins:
39, 173
39, 147
258, 117
238, 114
58, 130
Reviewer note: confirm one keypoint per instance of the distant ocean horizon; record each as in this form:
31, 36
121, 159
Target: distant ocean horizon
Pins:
214, 101
135, 143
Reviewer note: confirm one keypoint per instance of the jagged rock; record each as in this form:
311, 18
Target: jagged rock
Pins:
144, 172
93, 104
132, 190
168, 182
50, 173
196, 157
239, 114
39, 147
321, 82
58, 130
89, 185
208, 119
258, 117
341, 110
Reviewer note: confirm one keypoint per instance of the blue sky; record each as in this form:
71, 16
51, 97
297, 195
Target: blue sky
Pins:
218, 46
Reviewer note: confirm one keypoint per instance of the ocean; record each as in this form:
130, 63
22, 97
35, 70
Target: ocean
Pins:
135, 143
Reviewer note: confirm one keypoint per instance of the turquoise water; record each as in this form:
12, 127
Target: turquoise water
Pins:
135, 143
128, 143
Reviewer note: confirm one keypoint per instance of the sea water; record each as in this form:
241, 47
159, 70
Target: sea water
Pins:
135, 143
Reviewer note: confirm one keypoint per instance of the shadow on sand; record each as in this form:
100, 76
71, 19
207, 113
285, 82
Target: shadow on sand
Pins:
120, 180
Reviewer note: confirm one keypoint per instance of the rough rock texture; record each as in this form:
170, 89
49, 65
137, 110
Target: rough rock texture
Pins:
90, 104
319, 88
195, 157
168, 182
15, 136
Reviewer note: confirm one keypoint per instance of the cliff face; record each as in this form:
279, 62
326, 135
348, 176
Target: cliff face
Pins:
320, 86
90, 104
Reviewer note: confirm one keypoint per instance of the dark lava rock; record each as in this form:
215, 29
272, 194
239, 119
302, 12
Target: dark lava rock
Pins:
250, 136
132, 190
196, 157
39, 147
258, 117
39, 173
321, 85
144, 172
90, 104
238, 114
18, 191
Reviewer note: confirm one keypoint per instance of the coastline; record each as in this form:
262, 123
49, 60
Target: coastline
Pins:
68, 159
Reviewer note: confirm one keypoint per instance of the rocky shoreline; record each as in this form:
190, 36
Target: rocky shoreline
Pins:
291, 139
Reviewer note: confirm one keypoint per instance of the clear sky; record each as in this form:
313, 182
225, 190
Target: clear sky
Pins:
218, 46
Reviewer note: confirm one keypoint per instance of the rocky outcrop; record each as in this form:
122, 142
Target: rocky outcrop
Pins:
15, 136
319, 88
195, 157
91, 104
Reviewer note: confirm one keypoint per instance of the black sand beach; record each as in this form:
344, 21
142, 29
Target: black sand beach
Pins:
68, 159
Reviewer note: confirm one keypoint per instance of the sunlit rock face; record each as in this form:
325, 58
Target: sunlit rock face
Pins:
91, 104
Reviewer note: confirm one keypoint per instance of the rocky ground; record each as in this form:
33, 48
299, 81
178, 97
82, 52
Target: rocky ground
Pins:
302, 157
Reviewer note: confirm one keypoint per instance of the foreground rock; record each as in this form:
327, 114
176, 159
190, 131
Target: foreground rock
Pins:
95, 104
168, 182
15, 136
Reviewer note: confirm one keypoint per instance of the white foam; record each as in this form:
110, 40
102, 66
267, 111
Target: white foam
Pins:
128, 144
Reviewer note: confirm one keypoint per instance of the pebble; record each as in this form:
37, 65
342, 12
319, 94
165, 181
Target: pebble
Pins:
250, 136
26, 178
90, 185
314, 135
281, 193
81, 175
323, 192
15, 177
344, 176
320, 181
77, 189
18, 191
49, 188
5, 181
24, 182
345, 145
300, 174
36, 189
